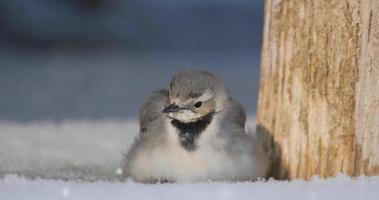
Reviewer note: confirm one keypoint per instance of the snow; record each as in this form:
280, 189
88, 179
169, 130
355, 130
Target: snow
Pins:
80, 149
13, 187
70, 149
80, 160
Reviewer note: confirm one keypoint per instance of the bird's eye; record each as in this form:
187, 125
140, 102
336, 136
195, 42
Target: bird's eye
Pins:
198, 104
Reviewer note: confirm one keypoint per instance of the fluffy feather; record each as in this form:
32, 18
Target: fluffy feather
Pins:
218, 149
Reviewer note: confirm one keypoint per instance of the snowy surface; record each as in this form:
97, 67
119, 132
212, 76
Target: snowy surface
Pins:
341, 188
79, 160
84, 150
71, 149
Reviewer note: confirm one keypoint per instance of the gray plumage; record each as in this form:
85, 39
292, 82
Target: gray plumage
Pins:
194, 132
151, 110
192, 83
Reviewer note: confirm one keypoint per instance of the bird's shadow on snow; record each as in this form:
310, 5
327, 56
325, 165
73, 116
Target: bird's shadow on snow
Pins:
277, 169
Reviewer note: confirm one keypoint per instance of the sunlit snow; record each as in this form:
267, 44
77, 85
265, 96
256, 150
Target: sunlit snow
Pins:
80, 160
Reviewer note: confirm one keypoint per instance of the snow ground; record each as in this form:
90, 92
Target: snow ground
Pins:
13, 187
84, 150
79, 160
68, 150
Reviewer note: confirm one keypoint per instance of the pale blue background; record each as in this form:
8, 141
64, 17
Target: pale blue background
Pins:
98, 59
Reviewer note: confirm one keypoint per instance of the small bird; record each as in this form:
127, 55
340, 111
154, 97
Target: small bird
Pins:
194, 132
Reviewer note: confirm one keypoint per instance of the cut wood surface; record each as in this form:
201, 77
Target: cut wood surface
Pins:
318, 107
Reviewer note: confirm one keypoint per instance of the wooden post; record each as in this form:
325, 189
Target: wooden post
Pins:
318, 107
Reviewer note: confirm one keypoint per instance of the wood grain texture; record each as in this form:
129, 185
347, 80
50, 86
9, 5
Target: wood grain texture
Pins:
318, 106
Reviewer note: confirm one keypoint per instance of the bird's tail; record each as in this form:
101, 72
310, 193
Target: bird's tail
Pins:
262, 140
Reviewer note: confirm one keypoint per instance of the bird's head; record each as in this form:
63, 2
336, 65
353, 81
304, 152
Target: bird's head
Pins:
194, 95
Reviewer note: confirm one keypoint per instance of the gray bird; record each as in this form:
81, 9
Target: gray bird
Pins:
194, 132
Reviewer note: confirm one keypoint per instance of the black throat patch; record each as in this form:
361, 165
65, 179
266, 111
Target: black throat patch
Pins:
190, 132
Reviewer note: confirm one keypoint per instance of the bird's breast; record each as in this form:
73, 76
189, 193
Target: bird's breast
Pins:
189, 133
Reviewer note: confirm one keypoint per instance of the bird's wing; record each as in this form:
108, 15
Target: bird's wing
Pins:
151, 110
236, 113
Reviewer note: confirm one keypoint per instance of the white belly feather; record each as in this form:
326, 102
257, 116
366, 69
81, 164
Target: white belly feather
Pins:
172, 162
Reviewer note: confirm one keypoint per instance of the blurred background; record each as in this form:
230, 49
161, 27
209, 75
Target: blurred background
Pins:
73, 73
94, 59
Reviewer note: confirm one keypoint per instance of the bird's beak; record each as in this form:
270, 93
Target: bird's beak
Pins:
171, 108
